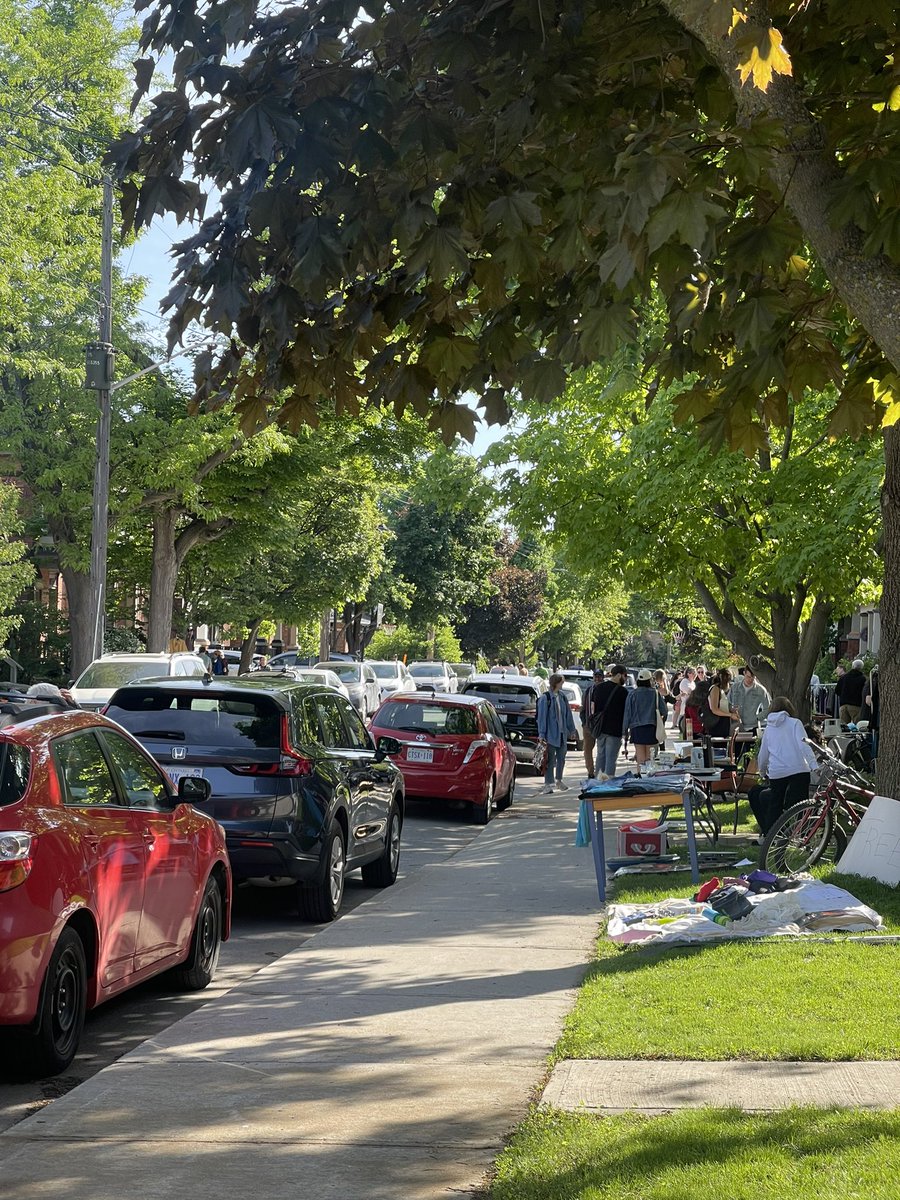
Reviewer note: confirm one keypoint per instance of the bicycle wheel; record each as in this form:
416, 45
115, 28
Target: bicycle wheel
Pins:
801, 837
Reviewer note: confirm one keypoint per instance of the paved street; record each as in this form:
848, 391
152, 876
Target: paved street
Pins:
265, 928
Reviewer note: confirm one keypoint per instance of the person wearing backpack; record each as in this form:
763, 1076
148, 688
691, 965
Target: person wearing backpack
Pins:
718, 714
607, 709
641, 708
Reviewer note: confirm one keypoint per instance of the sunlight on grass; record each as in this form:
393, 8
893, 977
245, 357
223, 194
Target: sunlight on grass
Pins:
767, 999
798, 1154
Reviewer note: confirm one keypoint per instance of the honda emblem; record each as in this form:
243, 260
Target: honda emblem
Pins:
179, 751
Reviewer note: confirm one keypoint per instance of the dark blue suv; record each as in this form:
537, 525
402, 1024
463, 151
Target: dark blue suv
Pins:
297, 782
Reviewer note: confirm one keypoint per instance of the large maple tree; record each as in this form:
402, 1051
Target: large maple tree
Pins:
414, 202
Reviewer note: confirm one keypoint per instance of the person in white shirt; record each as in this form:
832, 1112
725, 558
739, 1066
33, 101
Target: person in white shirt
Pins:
786, 760
684, 691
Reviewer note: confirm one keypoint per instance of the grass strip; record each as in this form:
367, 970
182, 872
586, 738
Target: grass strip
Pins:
796, 1154
772, 998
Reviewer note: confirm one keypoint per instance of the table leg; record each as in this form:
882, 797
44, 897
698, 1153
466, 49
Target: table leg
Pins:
691, 836
599, 854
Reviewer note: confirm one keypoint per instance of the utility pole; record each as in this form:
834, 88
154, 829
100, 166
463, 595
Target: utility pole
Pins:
99, 363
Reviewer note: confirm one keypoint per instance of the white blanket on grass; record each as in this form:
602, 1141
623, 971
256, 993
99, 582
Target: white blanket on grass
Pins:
775, 914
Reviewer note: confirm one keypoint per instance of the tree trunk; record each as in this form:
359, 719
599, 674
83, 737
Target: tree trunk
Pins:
78, 591
430, 635
248, 646
889, 655
163, 576
325, 636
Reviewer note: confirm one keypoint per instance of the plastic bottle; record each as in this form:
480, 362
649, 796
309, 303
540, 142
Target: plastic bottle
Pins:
712, 915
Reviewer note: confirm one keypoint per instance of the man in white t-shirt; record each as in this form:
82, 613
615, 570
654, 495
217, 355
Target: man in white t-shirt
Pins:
684, 691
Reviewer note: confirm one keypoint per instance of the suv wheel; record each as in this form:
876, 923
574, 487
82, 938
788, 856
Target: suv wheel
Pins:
322, 901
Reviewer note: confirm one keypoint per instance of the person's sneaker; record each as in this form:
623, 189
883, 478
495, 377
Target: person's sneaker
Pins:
545, 791
562, 787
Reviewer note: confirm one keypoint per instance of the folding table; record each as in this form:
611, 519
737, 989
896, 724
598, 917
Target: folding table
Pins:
620, 801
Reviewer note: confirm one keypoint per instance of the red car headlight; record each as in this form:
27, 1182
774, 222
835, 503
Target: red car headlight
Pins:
16, 851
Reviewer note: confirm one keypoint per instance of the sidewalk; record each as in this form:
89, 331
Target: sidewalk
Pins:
386, 1058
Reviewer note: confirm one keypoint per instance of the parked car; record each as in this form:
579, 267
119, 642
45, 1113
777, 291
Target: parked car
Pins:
360, 681
464, 670
578, 675
573, 693
292, 658
297, 782
454, 748
96, 683
392, 677
108, 875
439, 676
515, 698
233, 658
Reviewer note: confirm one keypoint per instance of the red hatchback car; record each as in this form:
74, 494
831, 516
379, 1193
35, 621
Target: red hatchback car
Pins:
107, 876
454, 748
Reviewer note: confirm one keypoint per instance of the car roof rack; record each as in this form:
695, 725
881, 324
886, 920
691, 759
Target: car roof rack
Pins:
16, 707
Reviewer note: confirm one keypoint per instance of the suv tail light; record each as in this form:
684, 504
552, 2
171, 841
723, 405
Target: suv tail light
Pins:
289, 764
16, 850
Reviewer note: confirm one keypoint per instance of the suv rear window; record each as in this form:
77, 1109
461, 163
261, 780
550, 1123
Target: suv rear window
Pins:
230, 722
512, 691
427, 718
15, 768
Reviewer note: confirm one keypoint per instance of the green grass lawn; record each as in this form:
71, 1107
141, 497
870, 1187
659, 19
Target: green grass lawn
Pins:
766, 999
704, 1154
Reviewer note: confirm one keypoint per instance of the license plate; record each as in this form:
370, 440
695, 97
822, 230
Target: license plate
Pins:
176, 773
419, 754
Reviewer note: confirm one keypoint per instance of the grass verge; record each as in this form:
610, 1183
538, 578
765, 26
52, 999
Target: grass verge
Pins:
768, 999
800, 1154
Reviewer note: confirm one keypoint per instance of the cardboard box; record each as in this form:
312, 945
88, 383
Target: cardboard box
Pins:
639, 838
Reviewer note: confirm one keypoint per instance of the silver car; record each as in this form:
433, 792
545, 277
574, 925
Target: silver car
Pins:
437, 675
392, 677
360, 681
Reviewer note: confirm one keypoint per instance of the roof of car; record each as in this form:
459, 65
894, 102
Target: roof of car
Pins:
274, 683
425, 697
505, 677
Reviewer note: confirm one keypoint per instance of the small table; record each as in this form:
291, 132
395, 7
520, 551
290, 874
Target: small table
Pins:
612, 802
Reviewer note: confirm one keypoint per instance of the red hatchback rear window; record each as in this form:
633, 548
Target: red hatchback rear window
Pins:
425, 717
15, 768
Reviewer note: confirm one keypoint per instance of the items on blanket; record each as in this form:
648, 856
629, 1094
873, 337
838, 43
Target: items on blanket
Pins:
642, 839
807, 907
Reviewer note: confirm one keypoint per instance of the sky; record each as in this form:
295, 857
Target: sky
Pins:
150, 258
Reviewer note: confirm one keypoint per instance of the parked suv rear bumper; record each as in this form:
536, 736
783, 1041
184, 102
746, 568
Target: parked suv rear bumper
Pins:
258, 857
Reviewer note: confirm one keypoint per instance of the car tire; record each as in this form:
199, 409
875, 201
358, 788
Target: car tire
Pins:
199, 968
482, 813
321, 902
51, 1048
383, 871
506, 801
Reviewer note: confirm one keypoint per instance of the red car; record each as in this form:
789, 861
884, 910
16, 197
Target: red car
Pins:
454, 748
107, 876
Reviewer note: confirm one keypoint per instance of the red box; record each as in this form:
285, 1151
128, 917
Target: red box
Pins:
641, 838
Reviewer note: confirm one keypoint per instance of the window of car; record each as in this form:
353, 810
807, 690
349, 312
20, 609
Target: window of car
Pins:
356, 730
385, 670
369, 675
142, 781
508, 691
425, 670
492, 720
117, 674
331, 726
425, 717
346, 672
84, 773
232, 722
15, 769
304, 721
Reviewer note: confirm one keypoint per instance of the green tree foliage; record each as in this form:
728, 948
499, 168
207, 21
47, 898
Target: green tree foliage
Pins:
416, 645
419, 201
769, 553
444, 537
506, 619
15, 572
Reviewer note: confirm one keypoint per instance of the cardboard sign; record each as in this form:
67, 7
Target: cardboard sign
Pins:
874, 850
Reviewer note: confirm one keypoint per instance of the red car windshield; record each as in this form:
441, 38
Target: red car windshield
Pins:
436, 719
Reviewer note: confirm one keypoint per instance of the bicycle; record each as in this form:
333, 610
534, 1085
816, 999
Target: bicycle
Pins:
816, 831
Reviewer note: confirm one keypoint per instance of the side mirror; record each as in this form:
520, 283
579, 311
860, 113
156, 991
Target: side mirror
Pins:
193, 790
385, 746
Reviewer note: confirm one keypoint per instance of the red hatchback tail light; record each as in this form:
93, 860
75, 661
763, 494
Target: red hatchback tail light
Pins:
16, 851
474, 748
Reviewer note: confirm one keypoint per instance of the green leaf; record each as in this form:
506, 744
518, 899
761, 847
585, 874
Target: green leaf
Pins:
543, 380
685, 214
449, 357
452, 421
753, 318
440, 253
513, 213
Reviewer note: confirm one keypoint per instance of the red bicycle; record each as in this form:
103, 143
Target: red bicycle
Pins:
817, 830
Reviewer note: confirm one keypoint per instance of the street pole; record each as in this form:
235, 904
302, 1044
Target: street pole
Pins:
100, 511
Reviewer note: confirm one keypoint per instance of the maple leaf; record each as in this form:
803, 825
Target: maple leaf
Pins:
765, 57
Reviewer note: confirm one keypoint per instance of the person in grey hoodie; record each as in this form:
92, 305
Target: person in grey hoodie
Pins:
786, 759
749, 697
